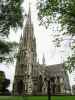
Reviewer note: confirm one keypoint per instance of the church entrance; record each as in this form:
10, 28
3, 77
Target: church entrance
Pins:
51, 86
20, 87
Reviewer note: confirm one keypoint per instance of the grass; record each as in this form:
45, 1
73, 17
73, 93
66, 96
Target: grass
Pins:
36, 98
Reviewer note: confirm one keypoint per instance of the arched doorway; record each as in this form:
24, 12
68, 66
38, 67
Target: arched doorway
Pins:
40, 84
20, 87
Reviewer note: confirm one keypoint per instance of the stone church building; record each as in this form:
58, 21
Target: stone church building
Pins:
31, 78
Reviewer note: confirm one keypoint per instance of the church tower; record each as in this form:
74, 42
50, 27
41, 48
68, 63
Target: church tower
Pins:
26, 60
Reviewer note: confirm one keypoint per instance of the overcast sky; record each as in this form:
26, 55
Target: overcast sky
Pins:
43, 40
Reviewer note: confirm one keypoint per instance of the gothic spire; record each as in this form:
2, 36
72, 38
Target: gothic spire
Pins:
29, 15
43, 59
28, 31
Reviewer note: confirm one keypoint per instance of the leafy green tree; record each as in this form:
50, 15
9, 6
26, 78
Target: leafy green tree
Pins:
4, 83
7, 51
63, 12
10, 16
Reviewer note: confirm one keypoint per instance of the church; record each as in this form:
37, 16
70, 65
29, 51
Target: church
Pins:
32, 78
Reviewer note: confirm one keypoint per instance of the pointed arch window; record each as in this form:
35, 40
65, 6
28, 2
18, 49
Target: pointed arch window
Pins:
20, 87
40, 84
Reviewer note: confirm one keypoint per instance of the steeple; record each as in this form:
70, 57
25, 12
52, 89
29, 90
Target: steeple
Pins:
43, 59
28, 33
26, 60
29, 15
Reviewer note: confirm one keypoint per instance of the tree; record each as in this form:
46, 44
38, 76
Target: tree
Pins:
10, 16
63, 12
6, 48
4, 83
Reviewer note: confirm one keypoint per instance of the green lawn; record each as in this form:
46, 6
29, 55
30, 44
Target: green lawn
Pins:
37, 98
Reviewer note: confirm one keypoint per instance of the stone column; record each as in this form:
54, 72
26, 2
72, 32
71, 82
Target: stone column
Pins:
55, 84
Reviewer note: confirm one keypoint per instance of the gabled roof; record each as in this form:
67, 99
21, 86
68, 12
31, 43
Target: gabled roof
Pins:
54, 70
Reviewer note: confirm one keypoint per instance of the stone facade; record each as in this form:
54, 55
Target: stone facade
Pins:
58, 78
31, 78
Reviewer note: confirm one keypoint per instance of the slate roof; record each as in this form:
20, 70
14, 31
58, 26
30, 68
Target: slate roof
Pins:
53, 70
